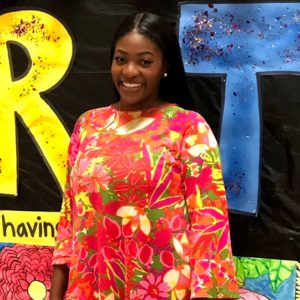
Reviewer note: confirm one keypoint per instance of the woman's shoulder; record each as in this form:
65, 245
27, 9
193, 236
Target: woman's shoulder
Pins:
95, 115
187, 116
187, 121
93, 118
96, 112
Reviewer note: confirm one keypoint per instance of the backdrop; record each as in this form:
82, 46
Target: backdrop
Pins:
242, 63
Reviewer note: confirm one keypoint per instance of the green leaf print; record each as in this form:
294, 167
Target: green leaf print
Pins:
92, 230
279, 271
156, 263
138, 275
239, 271
254, 267
211, 157
211, 195
107, 196
155, 214
224, 254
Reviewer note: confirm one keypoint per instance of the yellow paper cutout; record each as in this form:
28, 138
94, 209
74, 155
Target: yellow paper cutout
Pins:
50, 49
32, 228
37, 290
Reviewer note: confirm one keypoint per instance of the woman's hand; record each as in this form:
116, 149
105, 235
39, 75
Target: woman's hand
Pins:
59, 282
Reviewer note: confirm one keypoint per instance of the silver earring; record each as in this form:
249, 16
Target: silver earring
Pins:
165, 75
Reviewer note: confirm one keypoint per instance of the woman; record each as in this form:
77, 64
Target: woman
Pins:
144, 213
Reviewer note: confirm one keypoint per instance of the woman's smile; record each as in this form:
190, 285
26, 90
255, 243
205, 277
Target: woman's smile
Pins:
137, 70
131, 85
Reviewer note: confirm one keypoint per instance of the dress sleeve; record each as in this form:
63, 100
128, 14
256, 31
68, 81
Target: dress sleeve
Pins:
63, 241
211, 261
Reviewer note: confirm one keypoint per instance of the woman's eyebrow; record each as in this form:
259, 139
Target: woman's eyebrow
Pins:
139, 54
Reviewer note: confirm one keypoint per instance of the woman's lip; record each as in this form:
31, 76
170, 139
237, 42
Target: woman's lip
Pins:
131, 84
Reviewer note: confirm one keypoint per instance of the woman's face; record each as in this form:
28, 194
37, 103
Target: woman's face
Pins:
137, 68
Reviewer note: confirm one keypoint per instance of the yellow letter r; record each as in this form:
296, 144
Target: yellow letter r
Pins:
50, 49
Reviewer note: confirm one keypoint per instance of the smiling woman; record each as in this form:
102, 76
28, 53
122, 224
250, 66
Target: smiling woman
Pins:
144, 213
137, 69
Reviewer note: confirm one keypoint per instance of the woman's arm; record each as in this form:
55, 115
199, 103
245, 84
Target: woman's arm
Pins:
211, 261
59, 282
64, 238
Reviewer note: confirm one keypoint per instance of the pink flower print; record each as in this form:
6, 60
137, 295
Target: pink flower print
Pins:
90, 241
193, 183
133, 248
119, 152
167, 259
176, 123
134, 184
218, 223
24, 270
96, 180
77, 173
162, 237
127, 167
110, 253
128, 229
137, 199
249, 295
93, 260
112, 228
153, 288
178, 279
181, 245
134, 296
83, 254
160, 182
134, 217
146, 255
74, 146
176, 223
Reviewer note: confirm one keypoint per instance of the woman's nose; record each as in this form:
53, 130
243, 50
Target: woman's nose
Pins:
130, 70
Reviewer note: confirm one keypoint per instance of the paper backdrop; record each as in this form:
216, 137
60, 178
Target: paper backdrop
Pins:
54, 65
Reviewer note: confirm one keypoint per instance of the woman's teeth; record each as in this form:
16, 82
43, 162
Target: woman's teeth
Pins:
131, 85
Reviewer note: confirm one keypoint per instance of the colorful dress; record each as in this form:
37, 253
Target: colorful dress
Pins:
144, 214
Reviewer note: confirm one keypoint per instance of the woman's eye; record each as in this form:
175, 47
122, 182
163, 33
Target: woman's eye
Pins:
146, 62
119, 59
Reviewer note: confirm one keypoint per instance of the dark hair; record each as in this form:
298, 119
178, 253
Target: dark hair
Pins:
173, 88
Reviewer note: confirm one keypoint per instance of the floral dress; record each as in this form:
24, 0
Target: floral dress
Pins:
144, 214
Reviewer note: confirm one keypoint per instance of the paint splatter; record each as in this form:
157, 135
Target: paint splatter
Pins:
240, 40
33, 30
208, 27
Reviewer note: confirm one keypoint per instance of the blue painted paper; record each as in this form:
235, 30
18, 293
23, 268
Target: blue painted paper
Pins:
273, 279
240, 42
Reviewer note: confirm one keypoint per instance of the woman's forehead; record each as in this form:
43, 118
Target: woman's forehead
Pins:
136, 42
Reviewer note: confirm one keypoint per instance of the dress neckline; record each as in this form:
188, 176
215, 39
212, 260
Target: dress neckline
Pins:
147, 110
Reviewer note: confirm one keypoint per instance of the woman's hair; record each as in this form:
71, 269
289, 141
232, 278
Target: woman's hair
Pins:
173, 88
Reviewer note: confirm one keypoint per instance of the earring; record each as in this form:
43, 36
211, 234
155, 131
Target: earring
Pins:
165, 75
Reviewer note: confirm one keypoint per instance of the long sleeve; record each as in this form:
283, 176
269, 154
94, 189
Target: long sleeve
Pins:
63, 242
211, 262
